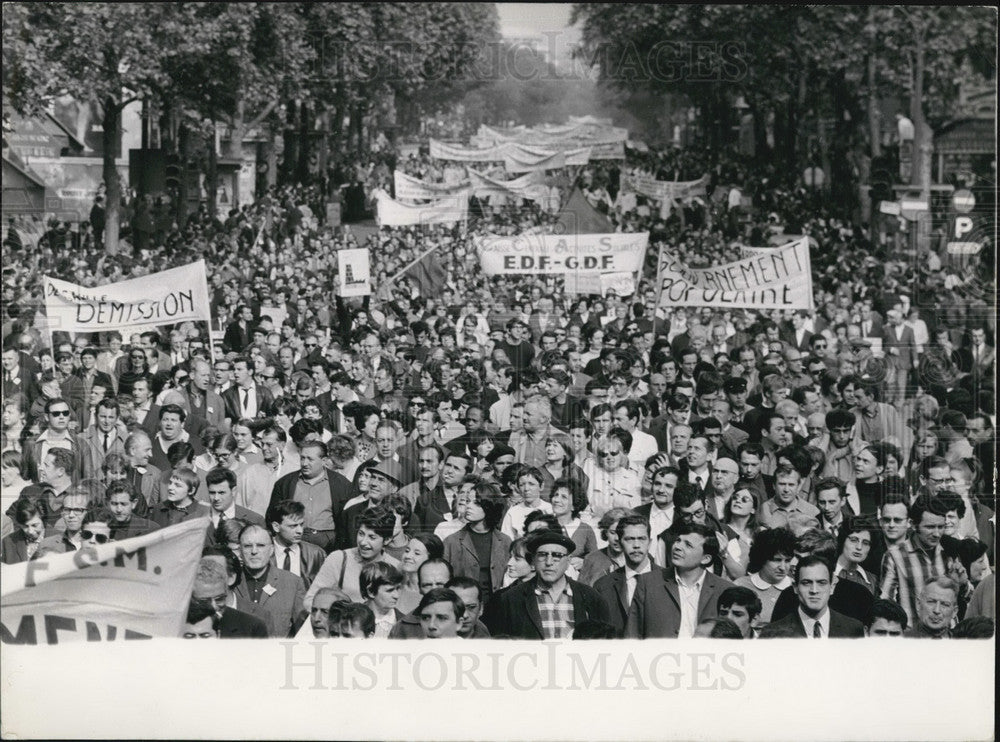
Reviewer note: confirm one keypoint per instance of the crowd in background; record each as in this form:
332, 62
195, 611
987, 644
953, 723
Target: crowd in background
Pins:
494, 456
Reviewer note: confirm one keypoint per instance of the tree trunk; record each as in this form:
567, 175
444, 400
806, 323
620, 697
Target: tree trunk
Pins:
874, 129
302, 174
236, 148
212, 175
184, 151
111, 140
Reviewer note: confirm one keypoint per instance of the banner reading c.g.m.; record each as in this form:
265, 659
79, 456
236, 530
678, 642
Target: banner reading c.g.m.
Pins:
167, 297
770, 278
563, 253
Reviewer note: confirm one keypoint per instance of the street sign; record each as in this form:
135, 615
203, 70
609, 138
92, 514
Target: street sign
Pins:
964, 201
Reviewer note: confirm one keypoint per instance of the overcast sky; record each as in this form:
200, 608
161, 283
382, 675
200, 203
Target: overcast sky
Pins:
530, 19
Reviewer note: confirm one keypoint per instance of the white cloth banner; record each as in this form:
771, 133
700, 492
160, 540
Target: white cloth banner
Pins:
354, 272
131, 589
167, 297
520, 159
771, 278
527, 186
409, 188
562, 253
391, 213
623, 284
665, 190
444, 151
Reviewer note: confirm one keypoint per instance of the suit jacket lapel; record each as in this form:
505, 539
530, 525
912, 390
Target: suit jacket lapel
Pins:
707, 597
621, 589
670, 587
531, 607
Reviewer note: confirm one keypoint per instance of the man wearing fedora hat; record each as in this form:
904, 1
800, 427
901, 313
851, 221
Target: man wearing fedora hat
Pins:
549, 605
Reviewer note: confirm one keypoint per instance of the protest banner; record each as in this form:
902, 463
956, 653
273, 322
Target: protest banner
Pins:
622, 284
392, 213
528, 186
167, 297
665, 190
521, 159
409, 188
354, 272
132, 589
562, 254
445, 151
771, 278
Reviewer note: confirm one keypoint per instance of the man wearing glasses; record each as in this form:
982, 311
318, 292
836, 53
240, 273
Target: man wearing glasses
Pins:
549, 605
55, 435
71, 514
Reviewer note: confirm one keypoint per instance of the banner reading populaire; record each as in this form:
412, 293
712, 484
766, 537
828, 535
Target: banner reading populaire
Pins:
132, 589
167, 297
771, 278
561, 254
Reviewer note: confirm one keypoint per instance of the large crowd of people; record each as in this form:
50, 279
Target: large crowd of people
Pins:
497, 457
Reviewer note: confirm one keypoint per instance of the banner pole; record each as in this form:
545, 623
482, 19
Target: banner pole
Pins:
413, 263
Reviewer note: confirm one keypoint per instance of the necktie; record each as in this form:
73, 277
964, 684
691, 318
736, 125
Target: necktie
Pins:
697, 481
107, 444
222, 519
287, 564
246, 398
817, 631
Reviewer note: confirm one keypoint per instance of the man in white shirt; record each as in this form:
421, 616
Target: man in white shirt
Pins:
813, 619
725, 474
628, 416
699, 472
660, 512
221, 486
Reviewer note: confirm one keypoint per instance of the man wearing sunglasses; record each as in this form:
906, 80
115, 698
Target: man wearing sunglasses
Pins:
56, 435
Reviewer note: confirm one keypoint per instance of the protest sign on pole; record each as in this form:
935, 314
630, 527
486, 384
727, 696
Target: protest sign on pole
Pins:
665, 190
456, 152
392, 213
354, 272
771, 278
132, 589
562, 254
167, 297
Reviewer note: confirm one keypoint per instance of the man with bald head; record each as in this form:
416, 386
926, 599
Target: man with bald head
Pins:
203, 401
529, 442
725, 474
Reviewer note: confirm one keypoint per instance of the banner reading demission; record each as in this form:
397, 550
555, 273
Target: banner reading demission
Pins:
558, 254
775, 278
167, 297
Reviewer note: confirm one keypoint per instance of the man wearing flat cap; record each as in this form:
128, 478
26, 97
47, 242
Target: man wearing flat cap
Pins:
384, 480
549, 605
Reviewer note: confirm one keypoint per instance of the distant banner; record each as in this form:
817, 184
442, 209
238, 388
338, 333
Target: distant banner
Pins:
622, 284
770, 278
527, 186
354, 272
168, 297
409, 188
562, 254
132, 589
665, 190
391, 213
520, 159
455, 152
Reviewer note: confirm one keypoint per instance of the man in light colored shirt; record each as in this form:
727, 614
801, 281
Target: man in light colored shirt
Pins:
611, 482
786, 509
627, 416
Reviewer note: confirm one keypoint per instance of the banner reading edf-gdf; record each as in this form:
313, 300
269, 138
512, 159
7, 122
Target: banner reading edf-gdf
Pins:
562, 253
168, 297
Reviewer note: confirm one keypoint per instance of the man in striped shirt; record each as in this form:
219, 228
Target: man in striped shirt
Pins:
909, 564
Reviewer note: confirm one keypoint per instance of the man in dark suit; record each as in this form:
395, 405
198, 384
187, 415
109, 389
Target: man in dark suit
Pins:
323, 491
246, 398
286, 521
278, 592
900, 348
549, 605
209, 615
669, 604
17, 378
617, 588
221, 487
813, 619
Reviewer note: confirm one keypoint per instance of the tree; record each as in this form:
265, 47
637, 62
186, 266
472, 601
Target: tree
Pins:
112, 53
